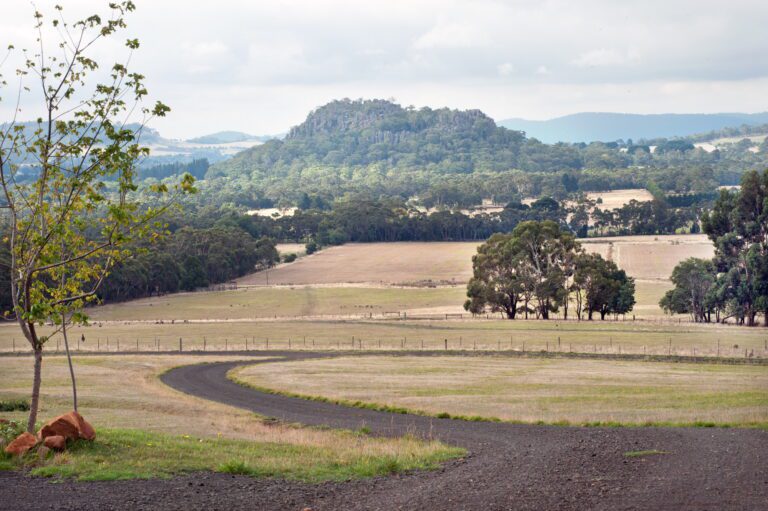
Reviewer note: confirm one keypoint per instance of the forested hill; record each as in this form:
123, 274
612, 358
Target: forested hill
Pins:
359, 133
451, 157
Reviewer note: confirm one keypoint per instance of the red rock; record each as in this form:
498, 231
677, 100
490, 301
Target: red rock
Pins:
85, 430
65, 425
55, 442
21, 444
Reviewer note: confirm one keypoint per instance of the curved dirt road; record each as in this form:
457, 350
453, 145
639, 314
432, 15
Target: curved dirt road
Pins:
509, 466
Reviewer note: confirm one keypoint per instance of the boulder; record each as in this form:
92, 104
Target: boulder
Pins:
21, 444
55, 442
85, 430
66, 425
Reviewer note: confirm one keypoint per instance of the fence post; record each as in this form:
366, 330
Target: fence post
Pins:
204, 343
446, 344
180, 349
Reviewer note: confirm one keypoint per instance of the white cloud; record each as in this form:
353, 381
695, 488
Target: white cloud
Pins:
600, 58
261, 66
204, 49
505, 69
451, 35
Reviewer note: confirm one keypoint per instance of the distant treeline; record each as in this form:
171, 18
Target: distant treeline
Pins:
197, 168
187, 260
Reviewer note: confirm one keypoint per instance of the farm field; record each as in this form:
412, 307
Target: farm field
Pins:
425, 263
615, 199
188, 433
284, 302
311, 301
531, 390
650, 337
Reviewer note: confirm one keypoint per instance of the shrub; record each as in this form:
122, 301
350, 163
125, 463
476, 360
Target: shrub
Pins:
289, 258
14, 405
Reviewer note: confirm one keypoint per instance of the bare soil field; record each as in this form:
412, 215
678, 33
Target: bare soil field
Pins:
423, 263
532, 390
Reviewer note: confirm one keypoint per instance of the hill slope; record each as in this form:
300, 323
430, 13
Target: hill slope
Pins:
587, 126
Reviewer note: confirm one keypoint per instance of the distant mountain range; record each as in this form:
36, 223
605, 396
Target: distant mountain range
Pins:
608, 127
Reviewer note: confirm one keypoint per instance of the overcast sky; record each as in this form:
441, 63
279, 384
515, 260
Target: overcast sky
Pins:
260, 66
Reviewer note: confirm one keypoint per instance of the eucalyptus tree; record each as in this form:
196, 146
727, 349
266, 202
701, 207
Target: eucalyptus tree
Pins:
78, 209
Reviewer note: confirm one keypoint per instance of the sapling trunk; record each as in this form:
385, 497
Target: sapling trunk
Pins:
35, 403
69, 362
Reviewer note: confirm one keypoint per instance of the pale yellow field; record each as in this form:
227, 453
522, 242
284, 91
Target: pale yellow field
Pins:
291, 248
391, 263
422, 263
650, 257
530, 390
615, 199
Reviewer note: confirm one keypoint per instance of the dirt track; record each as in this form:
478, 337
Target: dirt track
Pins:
509, 466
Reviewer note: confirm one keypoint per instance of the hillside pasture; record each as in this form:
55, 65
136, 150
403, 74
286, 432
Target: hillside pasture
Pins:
650, 257
531, 390
440, 263
404, 263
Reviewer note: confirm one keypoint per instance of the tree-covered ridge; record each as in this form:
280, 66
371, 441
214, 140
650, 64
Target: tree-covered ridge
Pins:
456, 158
364, 132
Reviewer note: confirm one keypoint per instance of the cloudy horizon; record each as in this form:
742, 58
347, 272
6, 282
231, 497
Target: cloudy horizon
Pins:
260, 67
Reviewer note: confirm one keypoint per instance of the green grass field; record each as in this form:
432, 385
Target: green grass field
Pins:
145, 429
533, 390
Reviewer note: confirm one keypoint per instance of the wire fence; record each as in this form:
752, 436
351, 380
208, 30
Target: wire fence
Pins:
549, 345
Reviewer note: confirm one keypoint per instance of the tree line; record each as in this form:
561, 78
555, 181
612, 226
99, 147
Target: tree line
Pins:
734, 284
539, 269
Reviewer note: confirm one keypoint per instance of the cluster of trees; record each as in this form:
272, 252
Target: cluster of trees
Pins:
187, 260
646, 217
734, 284
540, 268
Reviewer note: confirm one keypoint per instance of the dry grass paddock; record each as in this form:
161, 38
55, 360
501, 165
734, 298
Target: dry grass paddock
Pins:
651, 337
615, 199
125, 392
425, 263
390, 263
651, 257
530, 390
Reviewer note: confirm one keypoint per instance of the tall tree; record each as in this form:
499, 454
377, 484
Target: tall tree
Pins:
71, 222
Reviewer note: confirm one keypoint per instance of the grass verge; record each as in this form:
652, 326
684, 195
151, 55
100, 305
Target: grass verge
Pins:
133, 454
232, 375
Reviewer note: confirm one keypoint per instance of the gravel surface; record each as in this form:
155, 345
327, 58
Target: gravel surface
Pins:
521, 467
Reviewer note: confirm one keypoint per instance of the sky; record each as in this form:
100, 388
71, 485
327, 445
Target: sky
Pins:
261, 66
